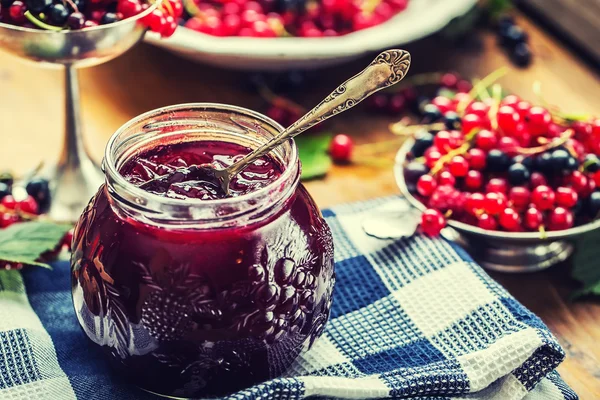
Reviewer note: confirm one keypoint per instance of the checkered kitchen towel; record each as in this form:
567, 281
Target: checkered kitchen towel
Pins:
412, 318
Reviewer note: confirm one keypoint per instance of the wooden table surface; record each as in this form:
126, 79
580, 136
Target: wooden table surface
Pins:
31, 118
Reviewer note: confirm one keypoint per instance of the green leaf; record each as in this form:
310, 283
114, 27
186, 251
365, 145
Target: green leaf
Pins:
497, 7
585, 264
25, 242
312, 149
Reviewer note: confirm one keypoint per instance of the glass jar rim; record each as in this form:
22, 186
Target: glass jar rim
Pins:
109, 163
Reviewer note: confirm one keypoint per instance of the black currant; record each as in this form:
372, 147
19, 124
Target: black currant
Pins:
109, 18
58, 14
423, 141
75, 20
37, 6
594, 204
414, 170
521, 55
591, 163
431, 113
504, 23
7, 177
560, 159
4, 190
543, 163
526, 161
518, 174
497, 161
513, 36
39, 189
452, 120
572, 164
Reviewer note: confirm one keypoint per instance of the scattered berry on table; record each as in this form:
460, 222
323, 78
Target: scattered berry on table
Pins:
341, 148
432, 222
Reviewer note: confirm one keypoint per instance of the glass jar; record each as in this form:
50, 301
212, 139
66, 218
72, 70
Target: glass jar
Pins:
191, 297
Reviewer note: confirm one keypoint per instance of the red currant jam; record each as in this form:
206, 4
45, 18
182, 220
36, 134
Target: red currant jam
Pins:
176, 163
206, 307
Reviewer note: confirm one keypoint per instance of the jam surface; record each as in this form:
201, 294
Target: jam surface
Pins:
202, 312
180, 180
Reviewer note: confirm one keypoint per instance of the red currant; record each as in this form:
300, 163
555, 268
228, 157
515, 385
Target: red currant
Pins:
494, 203
533, 218
508, 145
560, 218
486, 140
476, 158
471, 123
7, 220
474, 202
9, 202
426, 185
566, 197
432, 222
487, 221
29, 205
510, 100
458, 166
449, 80
523, 108
578, 181
444, 104
543, 197
341, 147
17, 11
463, 86
497, 185
478, 108
446, 178
129, 8
396, 104
537, 179
538, 119
508, 119
596, 178
519, 196
473, 180
442, 141
510, 220
432, 156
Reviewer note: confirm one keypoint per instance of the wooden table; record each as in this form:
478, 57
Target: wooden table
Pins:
31, 110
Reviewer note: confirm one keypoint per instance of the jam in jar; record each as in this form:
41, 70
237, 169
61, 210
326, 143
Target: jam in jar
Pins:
187, 292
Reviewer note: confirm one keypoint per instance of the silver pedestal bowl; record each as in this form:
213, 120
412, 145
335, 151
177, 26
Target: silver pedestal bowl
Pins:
75, 178
496, 250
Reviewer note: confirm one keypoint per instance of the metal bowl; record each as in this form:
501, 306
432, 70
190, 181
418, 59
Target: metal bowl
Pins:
75, 178
497, 250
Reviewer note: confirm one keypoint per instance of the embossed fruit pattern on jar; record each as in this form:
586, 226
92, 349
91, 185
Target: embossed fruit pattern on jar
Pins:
198, 312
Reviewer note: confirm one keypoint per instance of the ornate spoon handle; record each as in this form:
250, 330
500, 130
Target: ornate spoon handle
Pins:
387, 69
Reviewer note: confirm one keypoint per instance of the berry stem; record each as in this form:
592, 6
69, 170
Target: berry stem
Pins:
401, 129
369, 6
166, 6
191, 8
540, 149
448, 156
41, 24
485, 82
283, 102
493, 112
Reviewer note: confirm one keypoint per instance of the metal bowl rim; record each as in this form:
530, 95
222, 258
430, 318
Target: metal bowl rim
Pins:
134, 18
470, 229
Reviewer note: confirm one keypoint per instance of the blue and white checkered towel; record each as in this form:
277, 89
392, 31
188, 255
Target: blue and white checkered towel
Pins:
413, 318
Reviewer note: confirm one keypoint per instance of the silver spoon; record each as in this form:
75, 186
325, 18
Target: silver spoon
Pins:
387, 69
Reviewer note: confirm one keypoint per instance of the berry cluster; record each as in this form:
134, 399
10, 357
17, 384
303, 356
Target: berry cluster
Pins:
408, 98
515, 40
20, 204
25, 204
273, 18
57, 15
505, 165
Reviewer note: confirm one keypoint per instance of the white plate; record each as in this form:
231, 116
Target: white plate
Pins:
421, 18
